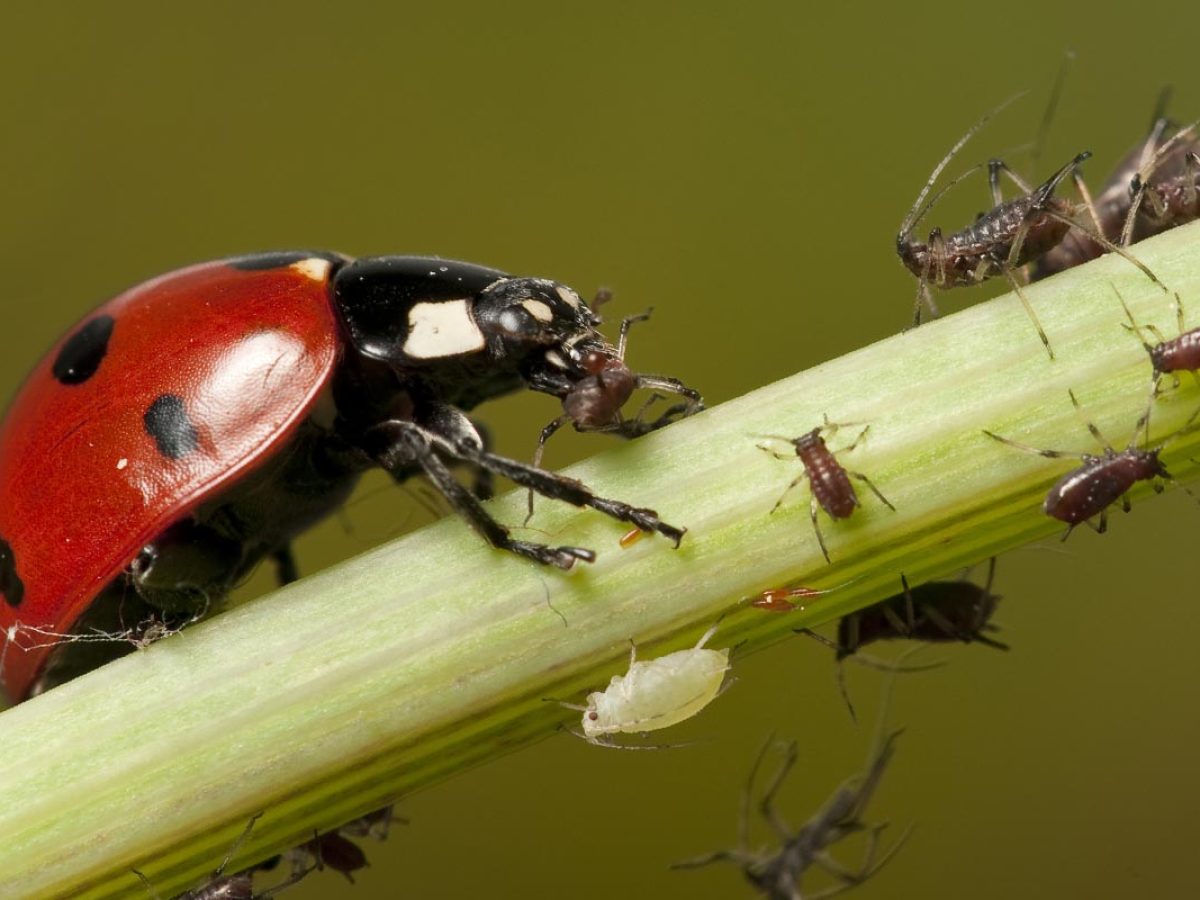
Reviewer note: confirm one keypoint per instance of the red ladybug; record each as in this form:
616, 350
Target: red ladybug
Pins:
195, 424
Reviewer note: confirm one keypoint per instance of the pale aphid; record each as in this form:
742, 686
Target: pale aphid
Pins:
657, 693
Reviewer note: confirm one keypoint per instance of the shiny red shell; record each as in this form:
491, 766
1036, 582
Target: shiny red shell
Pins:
84, 484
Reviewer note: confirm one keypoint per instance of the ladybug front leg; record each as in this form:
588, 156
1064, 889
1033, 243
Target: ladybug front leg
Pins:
186, 566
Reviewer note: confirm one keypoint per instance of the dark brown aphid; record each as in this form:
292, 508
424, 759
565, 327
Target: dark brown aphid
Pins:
1100, 481
238, 886
1179, 354
1000, 241
779, 874
1163, 192
333, 850
1111, 207
595, 383
937, 611
828, 480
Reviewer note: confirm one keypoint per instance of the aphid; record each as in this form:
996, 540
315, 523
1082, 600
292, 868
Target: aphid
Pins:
779, 874
1163, 192
331, 850
1111, 207
290, 375
828, 480
782, 600
937, 611
1089, 490
597, 384
238, 886
1179, 354
655, 693
1000, 241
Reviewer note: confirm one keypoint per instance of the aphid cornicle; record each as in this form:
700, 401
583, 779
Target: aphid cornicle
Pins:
655, 693
828, 480
1100, 481
196, 424
779, 874
1000, 241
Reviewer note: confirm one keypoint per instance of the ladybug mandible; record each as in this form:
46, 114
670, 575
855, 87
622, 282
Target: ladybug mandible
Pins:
194, 425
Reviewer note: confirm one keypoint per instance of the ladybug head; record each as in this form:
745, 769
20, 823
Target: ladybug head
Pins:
515, 314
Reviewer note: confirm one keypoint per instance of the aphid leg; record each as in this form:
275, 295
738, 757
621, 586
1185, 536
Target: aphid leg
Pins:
997, 166
547, 432
874, 490
632, 652
813, 506
627, 323
1110, 247
1037, 323
1088, 203
869, 867
1137, 329
767, 804
795, 481
286, 570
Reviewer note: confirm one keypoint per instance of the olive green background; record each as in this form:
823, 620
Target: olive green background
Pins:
743, 170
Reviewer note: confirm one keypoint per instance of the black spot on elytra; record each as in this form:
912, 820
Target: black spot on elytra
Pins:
277, 260
83, 352
167, 422
10, 582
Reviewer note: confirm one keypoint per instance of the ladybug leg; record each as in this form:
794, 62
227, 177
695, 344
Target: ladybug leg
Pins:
484, 483
186, 566
399, 445
286, 570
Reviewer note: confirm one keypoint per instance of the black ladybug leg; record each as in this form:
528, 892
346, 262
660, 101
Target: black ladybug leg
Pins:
286, 570
484, 484
398, 445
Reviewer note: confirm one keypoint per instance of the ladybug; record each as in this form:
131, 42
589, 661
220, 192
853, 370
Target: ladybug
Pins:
191, 427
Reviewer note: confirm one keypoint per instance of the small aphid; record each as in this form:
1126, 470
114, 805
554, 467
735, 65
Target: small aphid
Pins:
331, 850
238, 886
828, 480
937, 612
1089, 490
779, 874
1179, 354
782, 600
655, 693
1000, 241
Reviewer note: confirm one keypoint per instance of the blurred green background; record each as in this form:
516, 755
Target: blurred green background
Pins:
742, 169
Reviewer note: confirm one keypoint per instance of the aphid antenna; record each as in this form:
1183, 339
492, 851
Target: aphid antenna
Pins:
1137, 184
1048, 114
1136, 328
903, 236
910, 221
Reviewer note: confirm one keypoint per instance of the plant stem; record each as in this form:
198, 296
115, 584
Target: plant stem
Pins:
339, 693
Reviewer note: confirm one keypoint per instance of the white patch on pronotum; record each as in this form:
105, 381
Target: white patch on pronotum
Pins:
539, 310
657, 693
437, 330
569, 297
314, 267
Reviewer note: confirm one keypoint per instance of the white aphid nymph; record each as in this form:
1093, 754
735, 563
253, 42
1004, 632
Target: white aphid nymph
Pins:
657, 693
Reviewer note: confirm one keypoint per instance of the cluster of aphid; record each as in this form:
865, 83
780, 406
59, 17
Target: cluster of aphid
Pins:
296, 372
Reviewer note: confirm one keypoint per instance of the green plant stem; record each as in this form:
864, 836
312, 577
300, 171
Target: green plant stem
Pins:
359, 684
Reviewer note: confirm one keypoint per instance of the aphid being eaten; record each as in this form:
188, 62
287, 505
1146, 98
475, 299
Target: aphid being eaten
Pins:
828, 480
1000, 241
238, 886
1179, 354
779, 873
1100, 481
596, 384
655, 693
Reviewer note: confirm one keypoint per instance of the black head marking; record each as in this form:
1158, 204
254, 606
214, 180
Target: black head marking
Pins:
167, 421
83, 352
10, 582
255, 262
